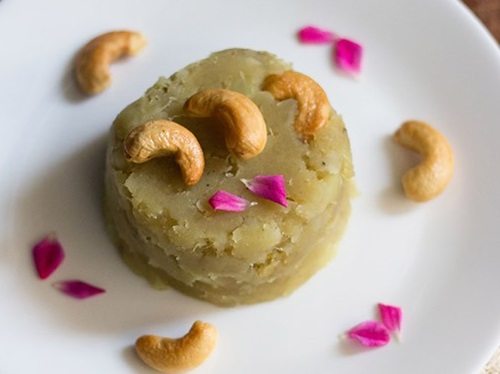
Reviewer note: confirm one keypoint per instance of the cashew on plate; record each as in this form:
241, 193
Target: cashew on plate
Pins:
245, 130
92, 63
178, 355
312, 102
431, 176
159, 138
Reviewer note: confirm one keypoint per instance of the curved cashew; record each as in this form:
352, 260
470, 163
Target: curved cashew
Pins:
160, 138
244, 126
312, 102
176, 355
429, 178
92, 63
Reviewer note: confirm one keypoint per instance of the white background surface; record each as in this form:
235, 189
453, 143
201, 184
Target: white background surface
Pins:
425, 59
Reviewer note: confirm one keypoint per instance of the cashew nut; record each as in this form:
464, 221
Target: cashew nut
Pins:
312, 102
92, 63
177, 355
430, 177
244, 126
160, 138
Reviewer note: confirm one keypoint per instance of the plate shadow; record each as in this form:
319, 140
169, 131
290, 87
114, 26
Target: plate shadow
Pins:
67, 198
392, 199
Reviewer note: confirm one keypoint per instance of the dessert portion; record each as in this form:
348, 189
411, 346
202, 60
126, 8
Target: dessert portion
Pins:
166, 229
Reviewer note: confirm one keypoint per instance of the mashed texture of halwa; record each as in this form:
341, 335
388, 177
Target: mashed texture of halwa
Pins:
168, 233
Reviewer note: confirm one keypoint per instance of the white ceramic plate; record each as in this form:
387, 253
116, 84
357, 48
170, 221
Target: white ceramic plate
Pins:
440, 261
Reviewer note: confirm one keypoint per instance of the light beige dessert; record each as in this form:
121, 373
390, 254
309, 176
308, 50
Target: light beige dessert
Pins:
167, 231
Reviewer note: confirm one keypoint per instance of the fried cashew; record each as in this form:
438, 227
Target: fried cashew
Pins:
177, 355
245, 130
161, 138
312, 102
431, 176
92, 63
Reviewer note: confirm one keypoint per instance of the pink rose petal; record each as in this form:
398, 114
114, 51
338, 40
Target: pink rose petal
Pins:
391, 317
270, 187
348, 55
315, 35
226, 201
48, 254
370, 334
78, 289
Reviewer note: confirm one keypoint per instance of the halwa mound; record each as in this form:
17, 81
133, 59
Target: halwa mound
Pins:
167, 231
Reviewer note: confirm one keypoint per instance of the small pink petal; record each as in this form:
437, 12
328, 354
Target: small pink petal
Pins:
315, 35
270, 187
78, 289
226, 201
48, 254
348, 56
391, 316
370, 334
